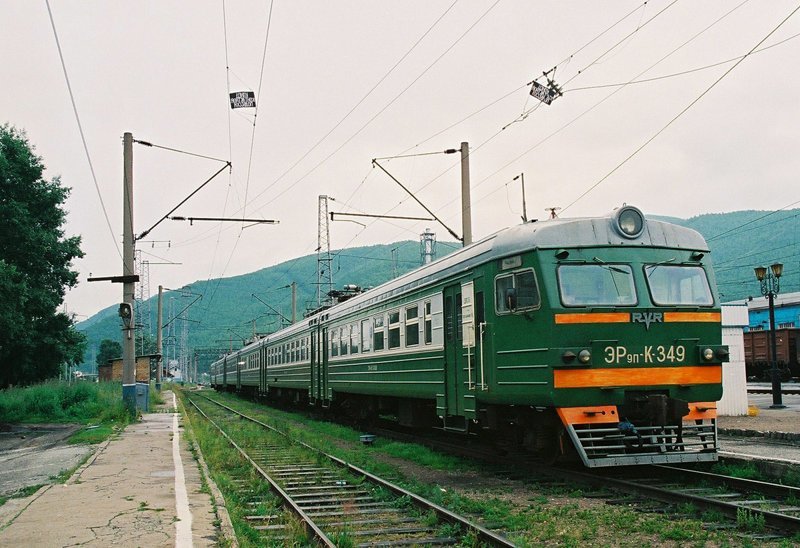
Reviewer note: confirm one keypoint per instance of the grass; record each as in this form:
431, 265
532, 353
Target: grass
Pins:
98, 406
59, 402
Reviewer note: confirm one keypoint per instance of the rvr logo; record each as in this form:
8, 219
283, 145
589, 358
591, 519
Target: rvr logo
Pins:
647, 318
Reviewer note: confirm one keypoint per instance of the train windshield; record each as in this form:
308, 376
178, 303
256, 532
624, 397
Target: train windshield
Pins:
596, 285
673, 285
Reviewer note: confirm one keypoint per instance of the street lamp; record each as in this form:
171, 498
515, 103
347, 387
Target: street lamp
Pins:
770, 286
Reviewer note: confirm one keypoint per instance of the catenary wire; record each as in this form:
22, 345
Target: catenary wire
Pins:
381, 111
690, 105
80, 130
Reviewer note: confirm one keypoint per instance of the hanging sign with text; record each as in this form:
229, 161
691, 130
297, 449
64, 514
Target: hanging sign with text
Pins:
543, 93
243, 99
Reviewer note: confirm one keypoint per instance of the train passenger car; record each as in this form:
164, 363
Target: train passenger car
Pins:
602, 334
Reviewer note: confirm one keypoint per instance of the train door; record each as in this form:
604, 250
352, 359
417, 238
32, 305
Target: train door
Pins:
225, 373
463, 311
312, 389
455, 364
262, 370
239, 365
319, 377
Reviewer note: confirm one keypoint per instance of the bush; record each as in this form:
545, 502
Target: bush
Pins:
60, 402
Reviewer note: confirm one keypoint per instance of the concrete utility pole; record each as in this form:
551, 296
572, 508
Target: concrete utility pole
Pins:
294, 303
128, 287
159, 341
466, 206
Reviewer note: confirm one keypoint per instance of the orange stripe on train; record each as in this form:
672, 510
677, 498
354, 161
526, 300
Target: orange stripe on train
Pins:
608, 414
715, 317
600, 317
636, 376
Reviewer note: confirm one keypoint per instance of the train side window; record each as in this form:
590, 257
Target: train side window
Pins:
428, 321
354, 338
378, 335
344, 340
412, 325
334, 336
394, 329
366, 335
516, 292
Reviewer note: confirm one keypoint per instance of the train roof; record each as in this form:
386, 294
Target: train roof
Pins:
549, 234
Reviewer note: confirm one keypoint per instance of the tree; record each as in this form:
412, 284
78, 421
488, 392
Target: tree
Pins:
108, 351
35, 268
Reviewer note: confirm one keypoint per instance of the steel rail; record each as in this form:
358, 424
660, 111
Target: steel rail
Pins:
758, 486
308, 523
772, 519
483, 535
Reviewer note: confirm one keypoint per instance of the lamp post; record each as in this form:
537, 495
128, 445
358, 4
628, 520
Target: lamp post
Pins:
770, 286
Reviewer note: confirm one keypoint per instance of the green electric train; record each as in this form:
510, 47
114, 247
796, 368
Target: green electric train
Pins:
596, 337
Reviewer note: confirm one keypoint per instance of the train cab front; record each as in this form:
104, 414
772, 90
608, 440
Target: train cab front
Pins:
638, 370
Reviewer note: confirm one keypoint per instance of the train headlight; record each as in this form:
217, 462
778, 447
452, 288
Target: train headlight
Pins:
584, 356
708, 354
568, 356
629, 222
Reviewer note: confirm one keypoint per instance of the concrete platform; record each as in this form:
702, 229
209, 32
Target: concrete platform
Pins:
142, 488
766, 433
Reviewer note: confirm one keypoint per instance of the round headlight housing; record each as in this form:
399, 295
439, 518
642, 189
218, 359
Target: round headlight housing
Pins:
629, 222
708, 354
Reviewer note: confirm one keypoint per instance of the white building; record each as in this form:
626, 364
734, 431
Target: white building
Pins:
734, 379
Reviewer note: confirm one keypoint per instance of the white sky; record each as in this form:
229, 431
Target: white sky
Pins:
157, 69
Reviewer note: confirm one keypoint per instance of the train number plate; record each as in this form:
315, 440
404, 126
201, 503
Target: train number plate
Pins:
649, 354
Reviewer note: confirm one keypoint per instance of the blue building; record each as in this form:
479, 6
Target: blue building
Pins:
787, 312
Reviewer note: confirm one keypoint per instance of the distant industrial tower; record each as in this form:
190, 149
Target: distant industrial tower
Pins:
142, 301
427, 246
185, 352
324, 259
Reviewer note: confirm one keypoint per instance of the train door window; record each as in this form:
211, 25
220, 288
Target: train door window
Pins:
428, 322
334, 337
344, 340
459, 318
394, 329
516, 292
448, 328
412, 325
480, 314
366, 335
377, 338
354, 338
673, 285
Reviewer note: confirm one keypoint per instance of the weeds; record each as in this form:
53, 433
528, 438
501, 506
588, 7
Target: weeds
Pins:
750, 521
55, 401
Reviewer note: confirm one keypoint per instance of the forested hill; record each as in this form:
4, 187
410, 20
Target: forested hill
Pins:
227, 313
742, 240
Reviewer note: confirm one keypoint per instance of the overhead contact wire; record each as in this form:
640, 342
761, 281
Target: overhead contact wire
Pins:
80, 130
682, 112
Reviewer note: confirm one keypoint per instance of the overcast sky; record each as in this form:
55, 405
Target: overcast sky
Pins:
347, 81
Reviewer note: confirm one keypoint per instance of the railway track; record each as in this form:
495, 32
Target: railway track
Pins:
755, 503
335, 502
743, 501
